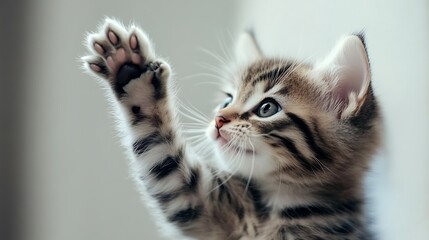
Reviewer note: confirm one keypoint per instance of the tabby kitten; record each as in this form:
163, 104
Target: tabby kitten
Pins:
292, 141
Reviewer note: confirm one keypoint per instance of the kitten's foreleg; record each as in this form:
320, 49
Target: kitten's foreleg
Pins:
141, 87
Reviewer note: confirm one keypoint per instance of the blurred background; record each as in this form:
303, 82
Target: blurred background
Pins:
63, 173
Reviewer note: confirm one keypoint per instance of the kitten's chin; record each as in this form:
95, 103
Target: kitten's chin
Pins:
243, 161
221, 141
255, 164
245, 165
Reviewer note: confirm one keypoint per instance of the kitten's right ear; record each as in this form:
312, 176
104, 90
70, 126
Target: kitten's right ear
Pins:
347, 75
247, 49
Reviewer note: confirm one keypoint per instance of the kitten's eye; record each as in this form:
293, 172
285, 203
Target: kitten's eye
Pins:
268, 108
226, 102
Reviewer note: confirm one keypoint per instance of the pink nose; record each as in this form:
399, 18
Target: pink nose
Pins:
220, 121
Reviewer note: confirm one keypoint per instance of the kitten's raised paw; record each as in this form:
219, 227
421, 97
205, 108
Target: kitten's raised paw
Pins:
119, 55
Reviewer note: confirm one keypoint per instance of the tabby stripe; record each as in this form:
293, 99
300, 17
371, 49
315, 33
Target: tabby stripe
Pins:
290, 145
343, 228
143, 145
273, 74
262, 210
317, 131
192, 184
305, 129
138, 115
165, 168
186, 215
245, 116
274, 125
315, 210
223, 191
296, 229
239, 210
164, 198
282, 91
138, 118
159, 92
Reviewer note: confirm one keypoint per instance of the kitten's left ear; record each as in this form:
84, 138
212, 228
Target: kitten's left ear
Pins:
347, 74
247, 49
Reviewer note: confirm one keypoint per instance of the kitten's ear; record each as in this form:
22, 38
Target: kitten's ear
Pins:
247, 49
347, 74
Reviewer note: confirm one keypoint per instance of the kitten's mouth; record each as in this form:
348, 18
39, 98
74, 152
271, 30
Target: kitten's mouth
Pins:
223, 141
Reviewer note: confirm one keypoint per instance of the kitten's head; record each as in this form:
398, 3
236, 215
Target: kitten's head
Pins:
296, 122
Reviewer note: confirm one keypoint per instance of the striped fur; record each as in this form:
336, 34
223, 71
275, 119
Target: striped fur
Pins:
295, 175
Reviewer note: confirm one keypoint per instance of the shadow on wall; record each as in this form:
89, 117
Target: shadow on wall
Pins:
11, 101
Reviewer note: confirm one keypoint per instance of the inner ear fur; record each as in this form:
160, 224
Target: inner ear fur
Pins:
347, 76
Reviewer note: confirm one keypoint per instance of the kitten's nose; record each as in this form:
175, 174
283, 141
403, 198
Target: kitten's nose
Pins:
220, 121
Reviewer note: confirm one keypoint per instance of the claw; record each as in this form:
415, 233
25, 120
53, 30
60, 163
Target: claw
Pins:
154, 66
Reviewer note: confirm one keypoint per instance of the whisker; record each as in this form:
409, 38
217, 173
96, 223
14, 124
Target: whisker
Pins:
201, 145
192, 77
193, 117
195, 137
252, 167
238, 155
192, 110
220, 59
226, 52
194, 125
213, 68
192, 107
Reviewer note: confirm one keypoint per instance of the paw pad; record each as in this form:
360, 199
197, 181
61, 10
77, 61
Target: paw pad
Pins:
120, 54
114, 46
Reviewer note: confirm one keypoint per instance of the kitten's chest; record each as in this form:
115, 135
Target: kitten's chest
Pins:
307, 222
276, 227
272, 228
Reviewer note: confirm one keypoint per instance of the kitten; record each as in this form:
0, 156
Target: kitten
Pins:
294, 141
